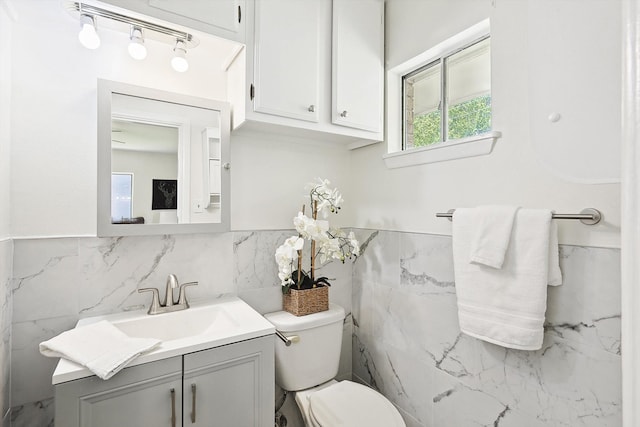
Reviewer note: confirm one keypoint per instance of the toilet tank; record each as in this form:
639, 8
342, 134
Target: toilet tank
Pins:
314, 358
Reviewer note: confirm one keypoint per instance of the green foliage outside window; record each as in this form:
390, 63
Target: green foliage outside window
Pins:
468, 118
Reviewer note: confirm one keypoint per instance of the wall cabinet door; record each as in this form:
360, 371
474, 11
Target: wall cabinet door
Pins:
231, 385
287, 35
357, 64
145, 395
222, 18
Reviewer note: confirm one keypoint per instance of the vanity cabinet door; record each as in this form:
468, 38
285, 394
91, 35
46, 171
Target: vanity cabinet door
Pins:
357, 64
144, 395
286, 76
232, 385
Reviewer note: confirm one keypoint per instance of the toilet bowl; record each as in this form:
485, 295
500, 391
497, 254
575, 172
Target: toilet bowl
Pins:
308, 366
346, 403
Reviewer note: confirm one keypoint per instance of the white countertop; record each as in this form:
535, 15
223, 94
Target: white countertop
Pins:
206, 324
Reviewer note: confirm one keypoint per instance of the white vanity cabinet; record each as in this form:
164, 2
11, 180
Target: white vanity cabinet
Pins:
222, 18
230, 385
317, 66
143, 395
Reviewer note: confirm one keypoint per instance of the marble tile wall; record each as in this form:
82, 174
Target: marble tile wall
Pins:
57, 281
405, 339
6, 255
407, 343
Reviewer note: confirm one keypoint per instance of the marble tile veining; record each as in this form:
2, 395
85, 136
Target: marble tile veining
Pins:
101, 275
40, 414
6, 312
408, 323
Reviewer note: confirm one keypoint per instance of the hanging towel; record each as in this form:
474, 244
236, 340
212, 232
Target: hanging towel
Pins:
493, 233
507, 306
100, 347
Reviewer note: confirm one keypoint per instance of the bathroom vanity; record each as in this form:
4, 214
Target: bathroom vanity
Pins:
220, 372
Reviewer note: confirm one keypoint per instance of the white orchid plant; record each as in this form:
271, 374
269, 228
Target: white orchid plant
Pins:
327, 243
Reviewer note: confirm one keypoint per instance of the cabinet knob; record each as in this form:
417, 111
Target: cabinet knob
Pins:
312, 108
227, 166
344, 113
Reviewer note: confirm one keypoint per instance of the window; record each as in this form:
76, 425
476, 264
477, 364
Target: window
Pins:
439, 103
464, 77
121, 196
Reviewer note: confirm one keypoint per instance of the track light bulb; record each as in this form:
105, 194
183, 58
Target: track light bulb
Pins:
136, 47
179, 61
88, 35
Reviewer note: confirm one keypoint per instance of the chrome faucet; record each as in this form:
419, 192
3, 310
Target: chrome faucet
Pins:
169, 303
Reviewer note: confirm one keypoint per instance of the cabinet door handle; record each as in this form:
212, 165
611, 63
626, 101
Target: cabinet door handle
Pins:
193, 403
312, 108
173, 407
344, 113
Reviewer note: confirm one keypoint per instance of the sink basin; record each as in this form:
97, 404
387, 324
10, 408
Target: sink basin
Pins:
180, 325
202, 326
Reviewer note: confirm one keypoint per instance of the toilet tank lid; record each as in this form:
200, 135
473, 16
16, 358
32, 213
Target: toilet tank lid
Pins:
287, 322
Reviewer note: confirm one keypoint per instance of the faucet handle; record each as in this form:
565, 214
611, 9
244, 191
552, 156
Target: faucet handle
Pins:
155, 301
182, 299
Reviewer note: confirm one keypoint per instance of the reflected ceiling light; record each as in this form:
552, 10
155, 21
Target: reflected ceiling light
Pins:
87, 35
179, 61
136, 47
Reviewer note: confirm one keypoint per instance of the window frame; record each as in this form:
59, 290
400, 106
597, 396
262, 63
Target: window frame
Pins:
475, 145
132, 182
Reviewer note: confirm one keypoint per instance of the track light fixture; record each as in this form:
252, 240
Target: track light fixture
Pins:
179, 61
88, 35
138, 30
136, 47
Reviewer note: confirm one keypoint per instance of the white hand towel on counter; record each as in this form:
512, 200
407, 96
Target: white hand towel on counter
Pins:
507, 306
492, 235
100, 347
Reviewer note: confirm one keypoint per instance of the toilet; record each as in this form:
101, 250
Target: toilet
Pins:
309, 365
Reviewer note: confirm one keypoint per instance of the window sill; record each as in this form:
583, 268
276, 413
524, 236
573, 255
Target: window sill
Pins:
478, 145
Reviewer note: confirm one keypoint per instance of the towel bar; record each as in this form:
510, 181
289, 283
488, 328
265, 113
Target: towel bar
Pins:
588, 216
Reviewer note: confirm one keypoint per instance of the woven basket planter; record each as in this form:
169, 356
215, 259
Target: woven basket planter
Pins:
306, 301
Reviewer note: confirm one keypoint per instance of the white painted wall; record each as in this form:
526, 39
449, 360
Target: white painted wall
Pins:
269, 174
53, 163
5, 117
54, 126
145, 167
407, 199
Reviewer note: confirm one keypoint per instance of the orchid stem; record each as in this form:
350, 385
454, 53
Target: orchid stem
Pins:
313, 245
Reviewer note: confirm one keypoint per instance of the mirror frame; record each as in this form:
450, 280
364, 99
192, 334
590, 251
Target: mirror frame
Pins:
105, 228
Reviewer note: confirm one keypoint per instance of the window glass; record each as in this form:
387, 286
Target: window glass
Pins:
121, 196
466, 75
423, 115
469, 91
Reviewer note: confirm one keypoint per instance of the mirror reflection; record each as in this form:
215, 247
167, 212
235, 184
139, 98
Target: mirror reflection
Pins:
144, 167
163, 163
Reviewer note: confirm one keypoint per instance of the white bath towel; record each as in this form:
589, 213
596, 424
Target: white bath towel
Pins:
493, 226
507, 306
100, 347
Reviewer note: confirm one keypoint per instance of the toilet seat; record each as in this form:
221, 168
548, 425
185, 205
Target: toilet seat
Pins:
346, 403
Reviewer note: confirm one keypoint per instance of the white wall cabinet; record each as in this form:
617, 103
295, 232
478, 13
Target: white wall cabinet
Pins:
316, 66
231, 385
222, 18
286, 78
357, 64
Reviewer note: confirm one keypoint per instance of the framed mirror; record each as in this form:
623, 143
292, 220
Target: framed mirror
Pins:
163, 162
